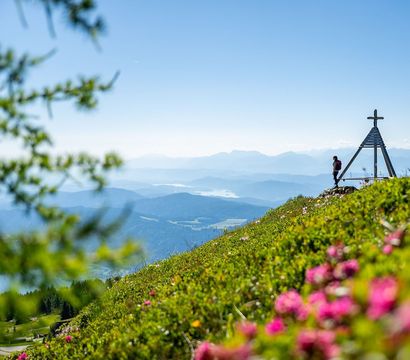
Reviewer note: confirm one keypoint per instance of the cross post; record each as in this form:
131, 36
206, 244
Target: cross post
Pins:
375, 118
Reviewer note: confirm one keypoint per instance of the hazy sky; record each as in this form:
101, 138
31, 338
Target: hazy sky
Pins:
203, 76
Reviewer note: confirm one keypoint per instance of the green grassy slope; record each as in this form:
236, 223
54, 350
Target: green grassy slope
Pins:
201, 294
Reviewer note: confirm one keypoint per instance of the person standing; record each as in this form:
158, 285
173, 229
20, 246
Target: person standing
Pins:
337, 165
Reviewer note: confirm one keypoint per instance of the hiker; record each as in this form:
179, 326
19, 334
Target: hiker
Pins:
337, 165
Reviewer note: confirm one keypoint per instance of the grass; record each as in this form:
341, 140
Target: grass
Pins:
200, 295
14, 334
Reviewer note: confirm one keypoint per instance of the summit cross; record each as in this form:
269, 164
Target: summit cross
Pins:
375, 118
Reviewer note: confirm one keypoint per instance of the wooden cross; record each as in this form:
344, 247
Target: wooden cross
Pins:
375, 118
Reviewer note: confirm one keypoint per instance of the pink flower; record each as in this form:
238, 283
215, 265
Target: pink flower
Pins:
203, 351
382, 296
248, 329
395, 237
319, 274
208, 351
68, 338
317, 343
336, 310
335, 288
343, 307
317, 298
275, 326
346, 269
152, 293
402, 317
242, 352
388, 249
22, 356
325, 312
336, 252
291, 303
147, 302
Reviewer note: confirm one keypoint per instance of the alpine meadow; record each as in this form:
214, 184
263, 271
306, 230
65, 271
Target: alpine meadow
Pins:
204, 180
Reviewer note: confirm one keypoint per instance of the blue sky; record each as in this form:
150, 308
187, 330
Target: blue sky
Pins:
199, 77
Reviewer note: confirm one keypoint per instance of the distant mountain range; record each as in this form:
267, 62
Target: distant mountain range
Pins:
312, 163
249, 176
178, 203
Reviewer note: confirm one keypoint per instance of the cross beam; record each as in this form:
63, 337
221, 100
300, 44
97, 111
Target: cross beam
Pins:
375, 118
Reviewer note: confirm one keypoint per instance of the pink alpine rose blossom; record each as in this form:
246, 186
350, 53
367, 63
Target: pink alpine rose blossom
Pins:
22, 356
68, 338
395, 237
291, 303
147, 302
382, 296
319, 274
343, 307
387, 249
242, 352
247, 329
346, 269
316, 298
336, 310
203, 351
317, 342
152, 293
402, 317
336, 252
275, 326
208, 351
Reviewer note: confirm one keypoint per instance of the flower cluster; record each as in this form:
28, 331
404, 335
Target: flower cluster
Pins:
318, 326
208, 351
291, 303
394, 239
317, 343
22, 356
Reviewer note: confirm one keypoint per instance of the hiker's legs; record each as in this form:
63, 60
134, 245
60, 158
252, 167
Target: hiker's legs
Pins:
335, 176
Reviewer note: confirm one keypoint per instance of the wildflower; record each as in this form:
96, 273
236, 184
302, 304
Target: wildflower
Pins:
242, 352
316, 298
382, 296
291, 303
336, 252
68, 338
317, 343
203, 351
395, 237
335, 288
388, 249
402, 317
208, 351
346, 269
343, 307
319, 274
336, 310
147, 302
196, 323
152, 293
275, 326
248, 329
22, 356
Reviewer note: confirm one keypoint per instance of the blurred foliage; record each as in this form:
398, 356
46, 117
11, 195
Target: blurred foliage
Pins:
47, 258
